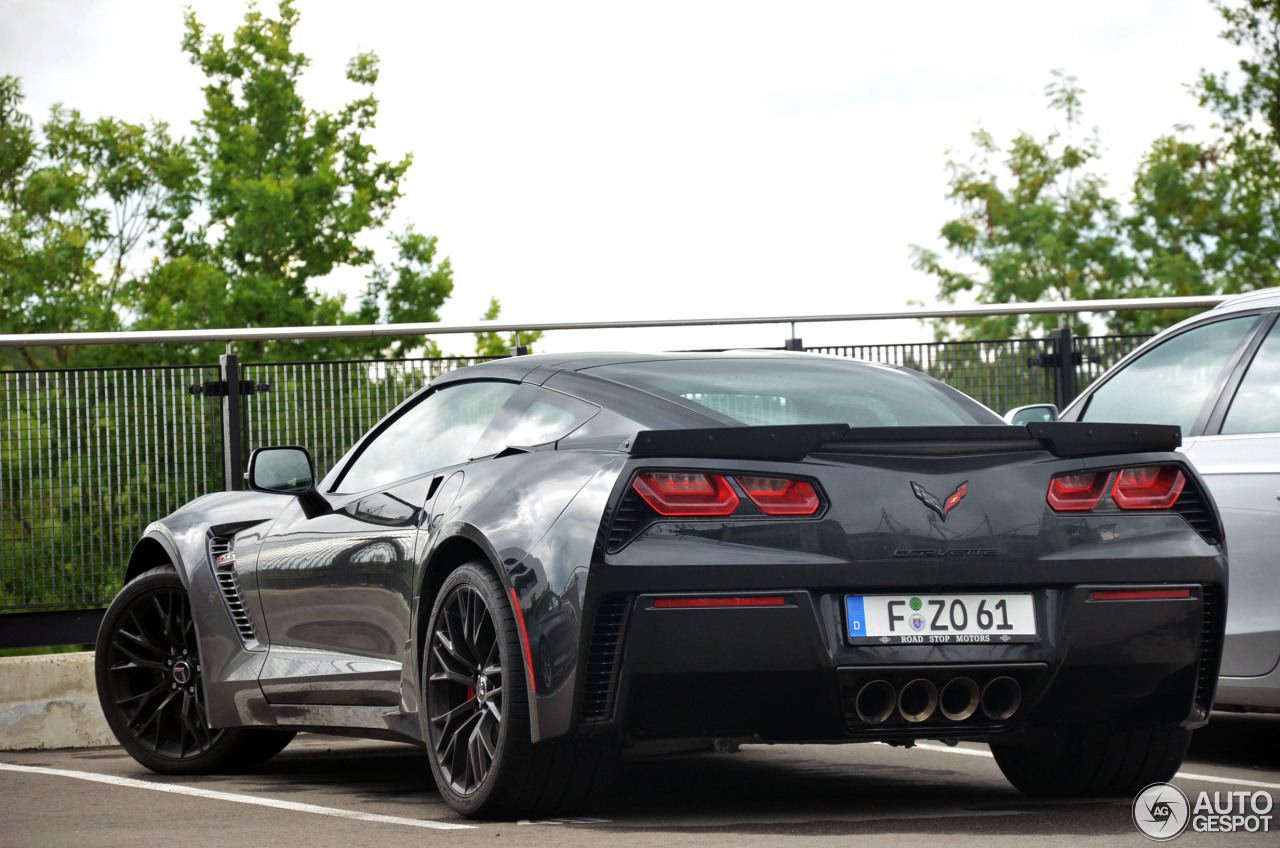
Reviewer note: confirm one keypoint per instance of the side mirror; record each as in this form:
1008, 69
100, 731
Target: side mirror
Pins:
1036, 413
281, 471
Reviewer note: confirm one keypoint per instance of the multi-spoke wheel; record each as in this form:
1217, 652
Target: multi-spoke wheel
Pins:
476, 720
150, 684
474, 689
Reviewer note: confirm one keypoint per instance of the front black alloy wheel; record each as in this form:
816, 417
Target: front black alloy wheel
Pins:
151, 684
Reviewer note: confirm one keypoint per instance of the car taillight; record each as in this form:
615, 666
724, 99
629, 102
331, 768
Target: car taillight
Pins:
686, 493
1149, 487
1078, 491
1142, 487
780, 496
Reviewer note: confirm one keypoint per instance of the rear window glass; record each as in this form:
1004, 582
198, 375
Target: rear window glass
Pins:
764, 392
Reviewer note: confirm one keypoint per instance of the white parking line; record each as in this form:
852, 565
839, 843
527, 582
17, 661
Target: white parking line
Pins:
1205, 778
238, 799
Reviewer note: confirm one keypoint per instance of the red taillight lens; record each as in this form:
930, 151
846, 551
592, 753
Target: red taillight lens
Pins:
1078, 491
685, 493
779, 496
1149, 487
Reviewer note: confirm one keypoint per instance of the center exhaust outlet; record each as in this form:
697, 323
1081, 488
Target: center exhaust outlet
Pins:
958, 699
917, 700
1001, 698
874, 702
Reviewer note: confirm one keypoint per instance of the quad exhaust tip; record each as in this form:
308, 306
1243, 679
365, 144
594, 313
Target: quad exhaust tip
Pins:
1001, 698
917, 700
959, 699
875, 702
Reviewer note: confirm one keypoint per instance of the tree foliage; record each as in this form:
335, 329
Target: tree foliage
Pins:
1203, 217
495, 344
281, 196
409, 292
1049, 235
78, 201
107, 225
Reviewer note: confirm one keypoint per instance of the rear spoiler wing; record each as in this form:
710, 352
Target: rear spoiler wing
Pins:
794, 442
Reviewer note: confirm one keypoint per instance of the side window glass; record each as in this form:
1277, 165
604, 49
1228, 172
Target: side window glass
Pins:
1169, 384
535, 416
438, 432
1256, 407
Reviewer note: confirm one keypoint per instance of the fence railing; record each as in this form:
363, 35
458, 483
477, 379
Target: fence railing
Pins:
89, 457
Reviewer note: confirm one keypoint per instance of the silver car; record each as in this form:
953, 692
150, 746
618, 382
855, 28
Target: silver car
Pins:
1217, 375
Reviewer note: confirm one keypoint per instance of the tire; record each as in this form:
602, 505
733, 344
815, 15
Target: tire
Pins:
476, 713
151, 684
1094, 761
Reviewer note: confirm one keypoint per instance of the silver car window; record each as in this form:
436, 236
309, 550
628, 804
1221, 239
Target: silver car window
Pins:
1170, 383
1256, 407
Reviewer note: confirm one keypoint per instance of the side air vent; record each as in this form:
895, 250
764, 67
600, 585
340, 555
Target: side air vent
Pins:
221, 554
1191, 506
631, 517
1208, 668
602, 657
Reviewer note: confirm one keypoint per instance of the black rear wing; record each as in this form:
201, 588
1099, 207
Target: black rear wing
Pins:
795, 442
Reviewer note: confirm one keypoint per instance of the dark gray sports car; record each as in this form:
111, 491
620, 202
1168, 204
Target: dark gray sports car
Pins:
534, 559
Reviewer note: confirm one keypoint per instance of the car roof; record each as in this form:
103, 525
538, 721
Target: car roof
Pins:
1250, 300
536, 368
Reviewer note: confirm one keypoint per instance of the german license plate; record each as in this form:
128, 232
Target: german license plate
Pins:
940, 619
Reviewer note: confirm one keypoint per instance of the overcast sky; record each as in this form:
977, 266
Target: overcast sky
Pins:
615, 161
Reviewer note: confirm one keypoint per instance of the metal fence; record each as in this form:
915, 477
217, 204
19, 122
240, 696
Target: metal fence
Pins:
1006, 373
86, 458
89, 457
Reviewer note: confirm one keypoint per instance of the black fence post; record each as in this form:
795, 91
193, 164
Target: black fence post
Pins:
232, 446
1064, 389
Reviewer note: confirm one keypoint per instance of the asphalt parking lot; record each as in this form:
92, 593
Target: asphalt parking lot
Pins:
329, 791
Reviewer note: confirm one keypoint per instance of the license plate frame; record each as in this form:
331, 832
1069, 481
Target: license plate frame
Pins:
948, 618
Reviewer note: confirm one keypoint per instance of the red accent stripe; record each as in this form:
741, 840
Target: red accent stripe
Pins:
1140, 594
715, 603
524, 635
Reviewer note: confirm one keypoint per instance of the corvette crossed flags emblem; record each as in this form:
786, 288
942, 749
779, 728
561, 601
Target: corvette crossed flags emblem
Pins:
934, 503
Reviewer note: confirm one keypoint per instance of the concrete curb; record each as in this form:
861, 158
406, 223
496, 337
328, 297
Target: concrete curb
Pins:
50, 701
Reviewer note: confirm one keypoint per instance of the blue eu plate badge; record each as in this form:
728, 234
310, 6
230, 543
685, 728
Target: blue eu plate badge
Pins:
857, 615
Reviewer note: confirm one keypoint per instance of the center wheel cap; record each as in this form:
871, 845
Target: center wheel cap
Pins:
183, 672
482, 689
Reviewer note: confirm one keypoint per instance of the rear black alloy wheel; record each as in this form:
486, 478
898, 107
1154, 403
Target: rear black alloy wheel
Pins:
476, 712
466, 673
151, 684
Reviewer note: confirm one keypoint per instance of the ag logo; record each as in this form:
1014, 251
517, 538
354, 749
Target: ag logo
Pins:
935, 503
1161, 811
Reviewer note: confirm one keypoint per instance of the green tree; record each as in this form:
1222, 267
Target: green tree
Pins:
408, 292
495, 344
1206, 214
79, 201
1050, 235
280, 199
1204, 217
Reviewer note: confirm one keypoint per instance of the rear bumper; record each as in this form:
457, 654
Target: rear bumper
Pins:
787, 672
